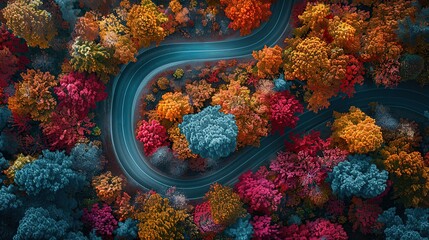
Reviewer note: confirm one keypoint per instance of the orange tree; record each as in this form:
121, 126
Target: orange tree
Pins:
269, 61
33, 95
356, 132
237, 100
107, 186
173, 106
145, 22
409, 172
246, 15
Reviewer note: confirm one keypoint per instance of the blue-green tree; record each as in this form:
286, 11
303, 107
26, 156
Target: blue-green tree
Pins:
357, 177
210, 133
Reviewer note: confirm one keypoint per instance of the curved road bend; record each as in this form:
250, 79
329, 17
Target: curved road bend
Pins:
120, 114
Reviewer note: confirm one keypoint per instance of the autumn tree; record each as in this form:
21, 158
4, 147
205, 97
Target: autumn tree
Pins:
284, 107
28, 20
237, 100
204, 221
312, 60
175, 6
86, 27
356, 132
101, 220
225, 204
380, 41
12, 55
199, 92
20, 161
65, 128
410, 174
259, 192
33, 95
269, 61
107, 186
91, 57
8, 66
158, 220
180, 145
325, 51
144, 21
79, 92
246, 15
152, 134
173, 106
115, 34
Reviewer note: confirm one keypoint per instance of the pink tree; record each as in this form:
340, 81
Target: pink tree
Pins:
100, 219
264, 229
152, 134
79, 92
284, 106
260, 193
324, 229
304, 167
288, 170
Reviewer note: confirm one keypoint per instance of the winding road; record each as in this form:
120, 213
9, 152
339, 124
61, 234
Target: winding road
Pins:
120, 116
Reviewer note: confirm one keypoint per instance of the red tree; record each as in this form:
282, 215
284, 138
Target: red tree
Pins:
11, 56
318, 229
152, 134
354, 75
15, 45
364, 215
8, 66
65, 129
284, 106
310, 143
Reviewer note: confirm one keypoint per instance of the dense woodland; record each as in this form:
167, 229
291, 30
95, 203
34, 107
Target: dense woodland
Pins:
364, 176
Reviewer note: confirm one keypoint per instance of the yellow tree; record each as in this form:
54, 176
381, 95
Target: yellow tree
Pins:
225, 204
114, 34
158, 220
175, 6
145, 22
29, 21
19, 163
91, 57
